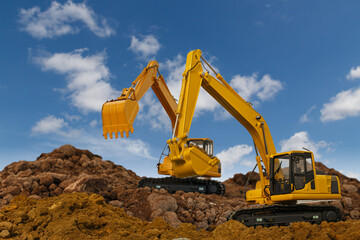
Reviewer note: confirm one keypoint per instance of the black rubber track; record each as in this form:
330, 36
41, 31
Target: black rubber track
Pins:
172, 184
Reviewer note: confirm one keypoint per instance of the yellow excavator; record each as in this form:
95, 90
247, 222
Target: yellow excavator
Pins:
118, 117
285, 178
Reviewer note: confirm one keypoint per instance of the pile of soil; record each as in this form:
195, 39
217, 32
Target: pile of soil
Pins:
69, 170
87, 216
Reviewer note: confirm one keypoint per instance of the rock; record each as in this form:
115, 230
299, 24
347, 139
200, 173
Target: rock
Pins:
202, 206
12, 190
171, 218
8, 198
164, 202
6, 226
347, 203
186, 217
67, 150
34, 196
210, 214
355, 214
52, 187
202, 225
88, 184
4, 234
84, 160
337, 204
199, 215
64, 184
58, 191
116, 203
349, 188
191, 203
46, 179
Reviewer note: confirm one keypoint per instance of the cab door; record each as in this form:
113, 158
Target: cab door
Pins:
280, 174
302, 169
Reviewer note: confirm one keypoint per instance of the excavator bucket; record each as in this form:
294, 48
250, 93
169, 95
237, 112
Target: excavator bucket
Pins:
118, 116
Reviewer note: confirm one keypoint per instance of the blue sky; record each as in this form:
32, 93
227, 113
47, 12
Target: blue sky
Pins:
298, 62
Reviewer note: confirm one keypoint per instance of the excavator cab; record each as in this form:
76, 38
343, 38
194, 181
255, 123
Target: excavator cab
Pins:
293, 177
290, 172
202, 163
205, 144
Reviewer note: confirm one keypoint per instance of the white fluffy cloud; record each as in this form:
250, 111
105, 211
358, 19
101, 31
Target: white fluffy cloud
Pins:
49, 124
145, 47
60, 131
53, 125
305, 118
173, 69
302, 140
232, 155
152, 113
60, 19
354, 73
87, 77
251, 88
344, 104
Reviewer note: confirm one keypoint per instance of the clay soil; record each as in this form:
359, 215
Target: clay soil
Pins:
72, 193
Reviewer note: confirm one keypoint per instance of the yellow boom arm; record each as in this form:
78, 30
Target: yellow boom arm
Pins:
290, 175
193, 80
118, 115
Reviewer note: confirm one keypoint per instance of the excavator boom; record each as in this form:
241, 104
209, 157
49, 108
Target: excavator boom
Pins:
118, 115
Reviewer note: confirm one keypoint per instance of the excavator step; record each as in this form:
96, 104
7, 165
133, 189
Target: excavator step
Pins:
282, 215
172, 184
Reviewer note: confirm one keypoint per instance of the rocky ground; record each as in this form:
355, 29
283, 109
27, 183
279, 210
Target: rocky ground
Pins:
71, 170
87, 216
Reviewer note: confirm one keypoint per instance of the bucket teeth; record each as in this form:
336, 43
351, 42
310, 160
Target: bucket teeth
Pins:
118, 116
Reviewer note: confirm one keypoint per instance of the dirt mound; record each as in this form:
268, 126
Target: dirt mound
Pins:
65, 169
87, 216
68, 170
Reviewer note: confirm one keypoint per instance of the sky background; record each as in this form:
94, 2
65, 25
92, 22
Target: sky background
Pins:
298, 62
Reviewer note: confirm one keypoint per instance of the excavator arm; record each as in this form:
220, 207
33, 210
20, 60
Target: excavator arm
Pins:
193, 79
287, 176
119, 115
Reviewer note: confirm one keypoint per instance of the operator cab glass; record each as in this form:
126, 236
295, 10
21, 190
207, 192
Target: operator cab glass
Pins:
290, 172
206, 145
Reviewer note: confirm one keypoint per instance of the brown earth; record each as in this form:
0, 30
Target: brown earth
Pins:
87, 216
68, 170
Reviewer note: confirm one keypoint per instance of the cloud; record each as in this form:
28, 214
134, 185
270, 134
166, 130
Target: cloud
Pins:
59, 19
350, 174
344, 104
305, 118
72, 117
60, 132
145, 47
93, 123
174, 69
49, 124
53, 125
87, 77
300, 140
152, 113
251, 88
232, 155
354, 73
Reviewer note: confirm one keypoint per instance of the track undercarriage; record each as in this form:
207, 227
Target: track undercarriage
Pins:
282, 215
172, 184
